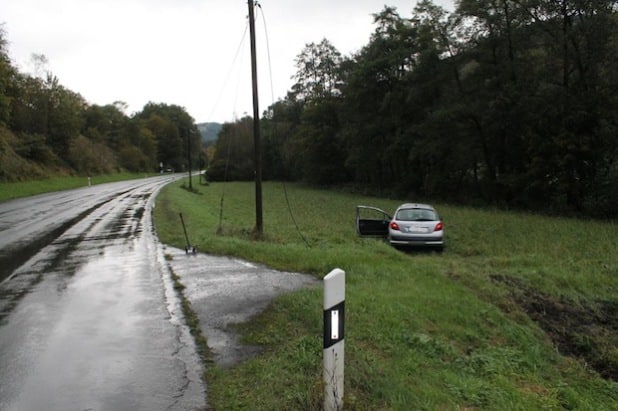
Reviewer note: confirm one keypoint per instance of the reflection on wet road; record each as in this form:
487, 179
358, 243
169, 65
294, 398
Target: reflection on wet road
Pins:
88, 315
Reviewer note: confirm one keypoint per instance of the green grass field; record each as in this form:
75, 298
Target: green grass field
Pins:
518, 313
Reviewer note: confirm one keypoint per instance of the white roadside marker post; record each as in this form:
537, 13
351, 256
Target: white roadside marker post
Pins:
334, 319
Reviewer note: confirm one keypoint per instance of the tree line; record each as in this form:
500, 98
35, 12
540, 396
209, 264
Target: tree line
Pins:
46, 129
505, 102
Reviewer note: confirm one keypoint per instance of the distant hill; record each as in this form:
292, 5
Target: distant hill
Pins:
209, 132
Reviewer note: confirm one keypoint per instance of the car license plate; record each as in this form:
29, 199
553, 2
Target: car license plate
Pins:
417, 230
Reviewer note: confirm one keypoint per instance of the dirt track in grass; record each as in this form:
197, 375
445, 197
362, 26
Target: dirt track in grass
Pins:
584, 329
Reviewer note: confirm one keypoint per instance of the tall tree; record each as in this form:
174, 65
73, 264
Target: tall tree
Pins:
106, 124
45, 107
7, 74
279, 125
313, 150
233, 159
374, 96
317, 75
176, 133
65, 109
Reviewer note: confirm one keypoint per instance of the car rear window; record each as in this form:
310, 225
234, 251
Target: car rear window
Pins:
416, 214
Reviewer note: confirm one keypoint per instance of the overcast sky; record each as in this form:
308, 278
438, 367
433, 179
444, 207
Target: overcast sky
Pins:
185, 52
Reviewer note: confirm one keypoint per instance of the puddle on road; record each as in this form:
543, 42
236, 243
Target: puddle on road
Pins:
224, 291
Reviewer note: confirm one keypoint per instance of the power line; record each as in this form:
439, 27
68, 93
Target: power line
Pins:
229, 74
229, 146
272, 94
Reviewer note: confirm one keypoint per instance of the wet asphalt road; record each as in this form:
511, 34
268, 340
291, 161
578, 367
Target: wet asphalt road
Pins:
88, 316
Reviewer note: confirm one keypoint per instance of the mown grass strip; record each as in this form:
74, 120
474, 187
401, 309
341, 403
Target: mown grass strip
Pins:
28, 188
424, 330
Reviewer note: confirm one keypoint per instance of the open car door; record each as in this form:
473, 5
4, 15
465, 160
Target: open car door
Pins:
371, 221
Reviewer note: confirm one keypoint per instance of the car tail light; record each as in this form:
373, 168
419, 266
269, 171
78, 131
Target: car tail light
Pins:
394, 226
439, 226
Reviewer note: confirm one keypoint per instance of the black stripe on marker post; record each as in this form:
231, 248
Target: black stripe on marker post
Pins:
331, 338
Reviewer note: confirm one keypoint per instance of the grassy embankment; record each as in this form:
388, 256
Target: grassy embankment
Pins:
28, 188
485, 325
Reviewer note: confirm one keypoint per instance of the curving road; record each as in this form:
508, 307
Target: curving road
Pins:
89, 319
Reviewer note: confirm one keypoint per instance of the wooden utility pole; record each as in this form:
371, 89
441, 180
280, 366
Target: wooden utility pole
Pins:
259, 228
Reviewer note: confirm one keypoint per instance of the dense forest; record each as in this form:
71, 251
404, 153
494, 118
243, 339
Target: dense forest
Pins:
46, 129
505, 102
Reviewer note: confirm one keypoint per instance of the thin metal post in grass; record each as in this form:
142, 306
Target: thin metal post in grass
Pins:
187, 244
334, 318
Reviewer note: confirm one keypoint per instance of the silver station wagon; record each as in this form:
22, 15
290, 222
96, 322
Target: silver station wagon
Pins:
415, 225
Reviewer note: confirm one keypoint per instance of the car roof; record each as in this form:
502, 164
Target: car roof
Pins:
416, 205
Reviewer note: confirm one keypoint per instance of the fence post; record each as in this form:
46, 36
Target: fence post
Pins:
334, 320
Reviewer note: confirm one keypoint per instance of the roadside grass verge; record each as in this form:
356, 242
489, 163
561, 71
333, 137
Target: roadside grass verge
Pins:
28, 188
466, 329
